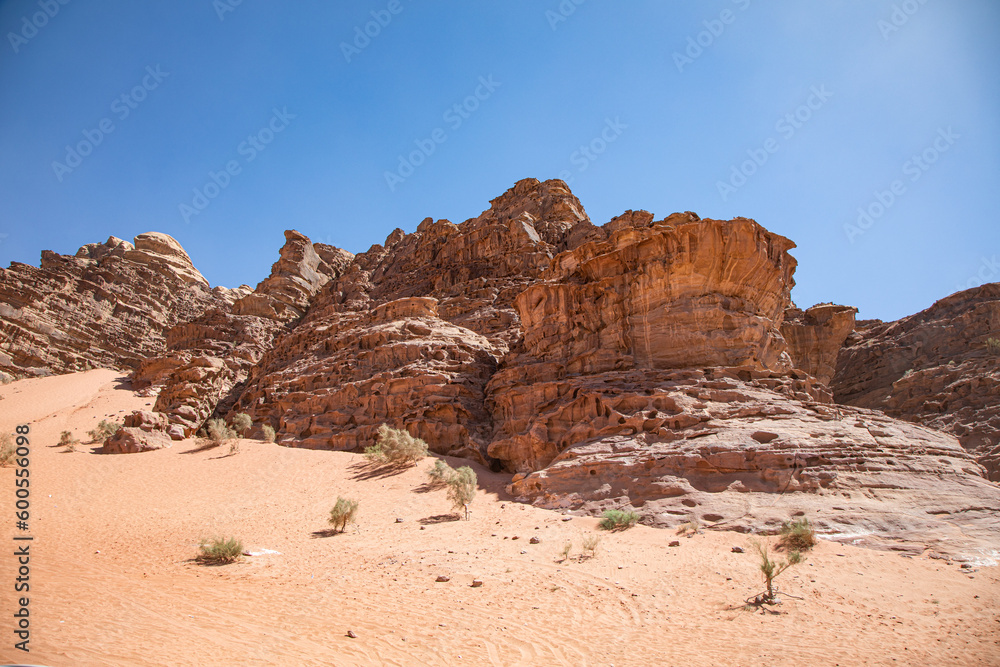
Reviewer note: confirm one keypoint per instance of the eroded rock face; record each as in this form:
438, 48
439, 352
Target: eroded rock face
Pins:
933, 368
110, 305
815, 336
332, 383
206, 364
295, 278
712, 447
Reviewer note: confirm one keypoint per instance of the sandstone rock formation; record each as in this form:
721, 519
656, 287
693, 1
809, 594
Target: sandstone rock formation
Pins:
934, 368
815, 336
110, 305
654, 364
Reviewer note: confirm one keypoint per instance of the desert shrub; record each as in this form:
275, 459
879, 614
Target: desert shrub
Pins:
67, 440
7, 449
218, 431
772, 568
566, 551
268, 432
343, 513
797, 535
440, 473
220, 551
690, 528
103, 431
590, 545
241, 423
993, 346
462, 487
618, 519
396, 447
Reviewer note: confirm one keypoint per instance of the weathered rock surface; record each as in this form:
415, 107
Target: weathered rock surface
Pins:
110, 305
711, 446
295, 278
815, 336
933, 368
654, 364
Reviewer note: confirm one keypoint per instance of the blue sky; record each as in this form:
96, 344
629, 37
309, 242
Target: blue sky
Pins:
796, 114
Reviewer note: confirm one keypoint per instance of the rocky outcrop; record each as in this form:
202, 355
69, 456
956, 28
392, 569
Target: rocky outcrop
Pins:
933, 368
331, 384
110, 305
295, 278
728, 452
815, 336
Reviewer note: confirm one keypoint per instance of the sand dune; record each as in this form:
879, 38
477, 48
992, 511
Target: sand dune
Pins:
114, 583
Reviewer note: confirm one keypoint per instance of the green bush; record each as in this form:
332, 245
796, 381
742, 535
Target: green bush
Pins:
7, 449
241, 423
220, 551
797, 535
218, 431
396, 447
618, 519
103, 431
440, 473
268, 432
343, 513
462, 487
772, 568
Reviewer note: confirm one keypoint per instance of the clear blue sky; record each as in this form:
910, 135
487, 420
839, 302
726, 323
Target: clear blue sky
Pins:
663, 131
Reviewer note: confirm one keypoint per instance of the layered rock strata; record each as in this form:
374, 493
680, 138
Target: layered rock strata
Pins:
110, 305
935, 368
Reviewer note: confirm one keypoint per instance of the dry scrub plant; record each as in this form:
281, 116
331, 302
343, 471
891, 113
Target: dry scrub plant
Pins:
220, 551
462, 488
268, 432
343, 513
67, 440
590, 545
993, 346
218, 432
396, 448
797, 535
103, 431
7, 449
618, 520
241, 423
440, 473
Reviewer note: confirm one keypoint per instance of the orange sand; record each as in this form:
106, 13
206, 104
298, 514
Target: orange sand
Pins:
113, 582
